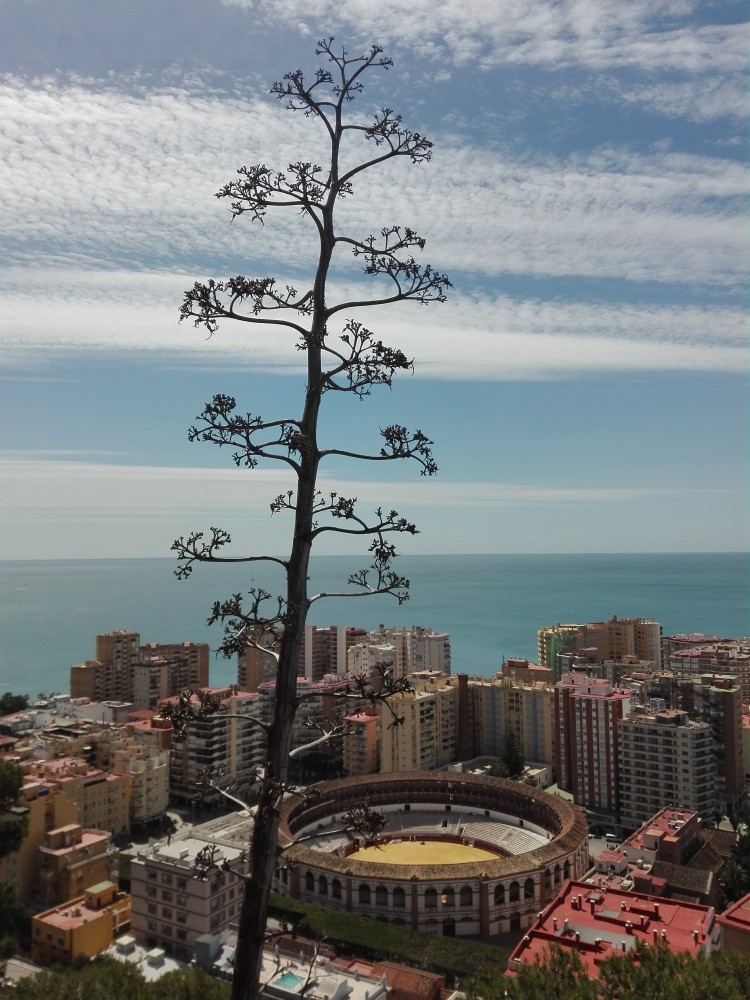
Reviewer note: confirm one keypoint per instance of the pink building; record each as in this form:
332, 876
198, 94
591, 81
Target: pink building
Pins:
588, 712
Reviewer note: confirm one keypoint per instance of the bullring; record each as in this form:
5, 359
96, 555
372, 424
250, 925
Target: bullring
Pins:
532, 841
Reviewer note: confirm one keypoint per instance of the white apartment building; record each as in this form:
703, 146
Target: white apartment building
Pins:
414, 649
171, 907
666, 759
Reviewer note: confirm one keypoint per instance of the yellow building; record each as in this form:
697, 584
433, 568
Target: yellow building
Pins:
502, 704
425, 736
46, 809
101, 797
82, 928
70, 859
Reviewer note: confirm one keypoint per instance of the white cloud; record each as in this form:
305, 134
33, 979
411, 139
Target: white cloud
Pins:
650, 35
56, 483
99, 178
499, 337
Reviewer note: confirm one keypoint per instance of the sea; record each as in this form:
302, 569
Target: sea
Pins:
491, 605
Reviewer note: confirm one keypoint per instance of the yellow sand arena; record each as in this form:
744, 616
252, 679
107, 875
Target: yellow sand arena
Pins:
422, 852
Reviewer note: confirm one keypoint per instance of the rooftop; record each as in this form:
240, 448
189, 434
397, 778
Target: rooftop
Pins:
599, 922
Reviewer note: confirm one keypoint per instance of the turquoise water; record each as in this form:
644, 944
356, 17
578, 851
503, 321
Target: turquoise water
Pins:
288, 981
492, 606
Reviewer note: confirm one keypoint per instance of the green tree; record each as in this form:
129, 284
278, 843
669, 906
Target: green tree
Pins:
13, 826
340, 359
10, 703
512, 756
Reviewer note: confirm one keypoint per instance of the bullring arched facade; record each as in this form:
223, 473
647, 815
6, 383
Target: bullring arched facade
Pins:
478, 898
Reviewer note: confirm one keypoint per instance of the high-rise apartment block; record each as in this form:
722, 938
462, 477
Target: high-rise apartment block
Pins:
502, 704
124, 670
228, 744
322, 653
717, 701
324, 650
413, 649
613, 640
588, 715
727, 658
424, 737
666, 759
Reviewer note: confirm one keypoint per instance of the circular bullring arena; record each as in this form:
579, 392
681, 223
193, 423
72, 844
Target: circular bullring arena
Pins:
460, 854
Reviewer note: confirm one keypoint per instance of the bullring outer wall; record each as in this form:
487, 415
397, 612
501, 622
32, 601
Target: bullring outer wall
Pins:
480, 899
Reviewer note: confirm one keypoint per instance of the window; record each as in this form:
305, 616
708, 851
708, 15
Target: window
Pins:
151, 875
182, 900
466, 896
166, 878
166, 912
381, 896
151, 891
322, 886
430, 899
166, 895
399, 898
528, 888
364, 894
499, 895
152, 908
336, 889
514, 892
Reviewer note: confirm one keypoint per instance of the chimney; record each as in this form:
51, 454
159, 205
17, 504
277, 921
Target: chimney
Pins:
664, 934
554, 923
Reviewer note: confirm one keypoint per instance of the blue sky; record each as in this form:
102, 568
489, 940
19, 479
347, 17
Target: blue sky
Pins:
585, 384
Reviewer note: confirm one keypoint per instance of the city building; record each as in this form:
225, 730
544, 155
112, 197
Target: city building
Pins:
171, 907
362, 742
511, 702
70, 859
588, 715
229, 744
717, 700
147, 774
45, 808
124, 670
730, 659
598, 923
101, 797
735, 925
414, 649
82, 927
665, 759
418, 727
324, 650
613, 640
